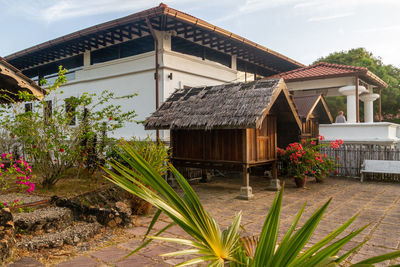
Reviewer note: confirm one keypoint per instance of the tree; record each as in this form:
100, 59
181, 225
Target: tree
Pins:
52, 134
388, 73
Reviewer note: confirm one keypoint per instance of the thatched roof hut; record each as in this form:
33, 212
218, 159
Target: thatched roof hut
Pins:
234, 126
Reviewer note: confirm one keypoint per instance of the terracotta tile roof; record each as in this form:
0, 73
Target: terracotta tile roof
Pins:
328, 70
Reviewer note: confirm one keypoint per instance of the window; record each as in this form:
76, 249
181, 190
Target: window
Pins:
48, 110
187, 47
28, 107
70, 109
126, 49
50, 70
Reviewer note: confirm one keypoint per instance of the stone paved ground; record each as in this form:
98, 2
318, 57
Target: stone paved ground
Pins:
376, 203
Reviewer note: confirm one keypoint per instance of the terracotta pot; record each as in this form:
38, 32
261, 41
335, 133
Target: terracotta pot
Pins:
300, 182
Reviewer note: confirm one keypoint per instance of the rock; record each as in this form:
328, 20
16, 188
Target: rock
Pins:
48, 219
7, 234
71, 235
123, 208
112, 223
118, 220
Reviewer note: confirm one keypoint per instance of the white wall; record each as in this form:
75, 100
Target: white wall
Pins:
136, 75
384, 133
122, 76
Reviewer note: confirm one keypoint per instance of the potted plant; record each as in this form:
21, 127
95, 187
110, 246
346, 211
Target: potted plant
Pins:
298, 161
304, 159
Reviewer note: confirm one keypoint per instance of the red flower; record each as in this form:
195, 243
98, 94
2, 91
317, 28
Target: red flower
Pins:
62, 150
313, 143
338, 158
110, 118
34, 146
336, 171
321, 137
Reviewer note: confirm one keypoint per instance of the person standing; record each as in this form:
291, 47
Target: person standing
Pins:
340, 118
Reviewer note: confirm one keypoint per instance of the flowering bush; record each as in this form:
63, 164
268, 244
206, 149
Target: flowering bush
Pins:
304, 159
16, 174
54, 133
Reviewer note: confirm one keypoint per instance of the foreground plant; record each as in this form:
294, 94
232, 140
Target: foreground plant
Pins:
154, 153
216, 247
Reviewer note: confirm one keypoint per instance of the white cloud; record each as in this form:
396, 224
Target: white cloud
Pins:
331, 17
381, 29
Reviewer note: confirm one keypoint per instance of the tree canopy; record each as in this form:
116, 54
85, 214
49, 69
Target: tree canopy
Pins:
389, 73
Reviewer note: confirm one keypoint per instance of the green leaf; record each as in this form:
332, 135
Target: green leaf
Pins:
380, 258
269, 234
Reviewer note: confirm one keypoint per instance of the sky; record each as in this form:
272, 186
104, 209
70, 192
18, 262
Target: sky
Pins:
303, 30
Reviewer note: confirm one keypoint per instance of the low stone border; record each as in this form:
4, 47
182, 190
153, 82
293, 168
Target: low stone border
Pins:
7, 234
118, 216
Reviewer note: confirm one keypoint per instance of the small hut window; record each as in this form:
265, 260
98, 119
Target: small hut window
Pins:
28, 107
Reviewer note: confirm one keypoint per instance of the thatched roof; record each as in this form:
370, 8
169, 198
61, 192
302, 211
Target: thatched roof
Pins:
236, 105
12, 81
306, 105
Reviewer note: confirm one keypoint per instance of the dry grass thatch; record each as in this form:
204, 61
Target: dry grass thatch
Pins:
235, 105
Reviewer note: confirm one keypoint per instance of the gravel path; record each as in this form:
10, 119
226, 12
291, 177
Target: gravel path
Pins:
25, 198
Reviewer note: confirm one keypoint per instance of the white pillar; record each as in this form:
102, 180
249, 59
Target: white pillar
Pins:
350, 92
234, 62
368, 100
86, 58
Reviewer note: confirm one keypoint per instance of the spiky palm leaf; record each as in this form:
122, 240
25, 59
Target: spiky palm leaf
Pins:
217, 247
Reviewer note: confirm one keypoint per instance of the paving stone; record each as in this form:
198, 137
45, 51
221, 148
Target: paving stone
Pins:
26, 262
110, 254
81, 261
137, 260
157, 250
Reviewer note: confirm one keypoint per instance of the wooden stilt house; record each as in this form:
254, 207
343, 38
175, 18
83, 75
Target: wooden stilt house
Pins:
313, 111
233, 126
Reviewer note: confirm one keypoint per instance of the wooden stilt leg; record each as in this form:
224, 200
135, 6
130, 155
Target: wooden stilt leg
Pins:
275, 183
246, 191
205, 176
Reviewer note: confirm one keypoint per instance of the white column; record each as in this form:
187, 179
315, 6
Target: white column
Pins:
368, 100
350, 92
234, 62
86, 58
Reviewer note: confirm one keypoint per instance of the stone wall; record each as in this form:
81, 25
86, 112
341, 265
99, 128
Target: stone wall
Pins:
7, 234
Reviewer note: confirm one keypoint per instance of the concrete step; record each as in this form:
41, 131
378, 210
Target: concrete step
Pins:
72, 235
46, 220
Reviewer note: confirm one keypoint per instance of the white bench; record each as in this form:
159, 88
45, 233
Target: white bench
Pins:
380, 166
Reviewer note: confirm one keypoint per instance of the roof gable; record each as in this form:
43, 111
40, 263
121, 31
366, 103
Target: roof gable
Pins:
306, 105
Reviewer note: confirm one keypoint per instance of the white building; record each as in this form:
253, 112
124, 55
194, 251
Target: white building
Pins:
151, 53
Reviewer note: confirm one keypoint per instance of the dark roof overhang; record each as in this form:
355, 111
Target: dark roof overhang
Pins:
162, 18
